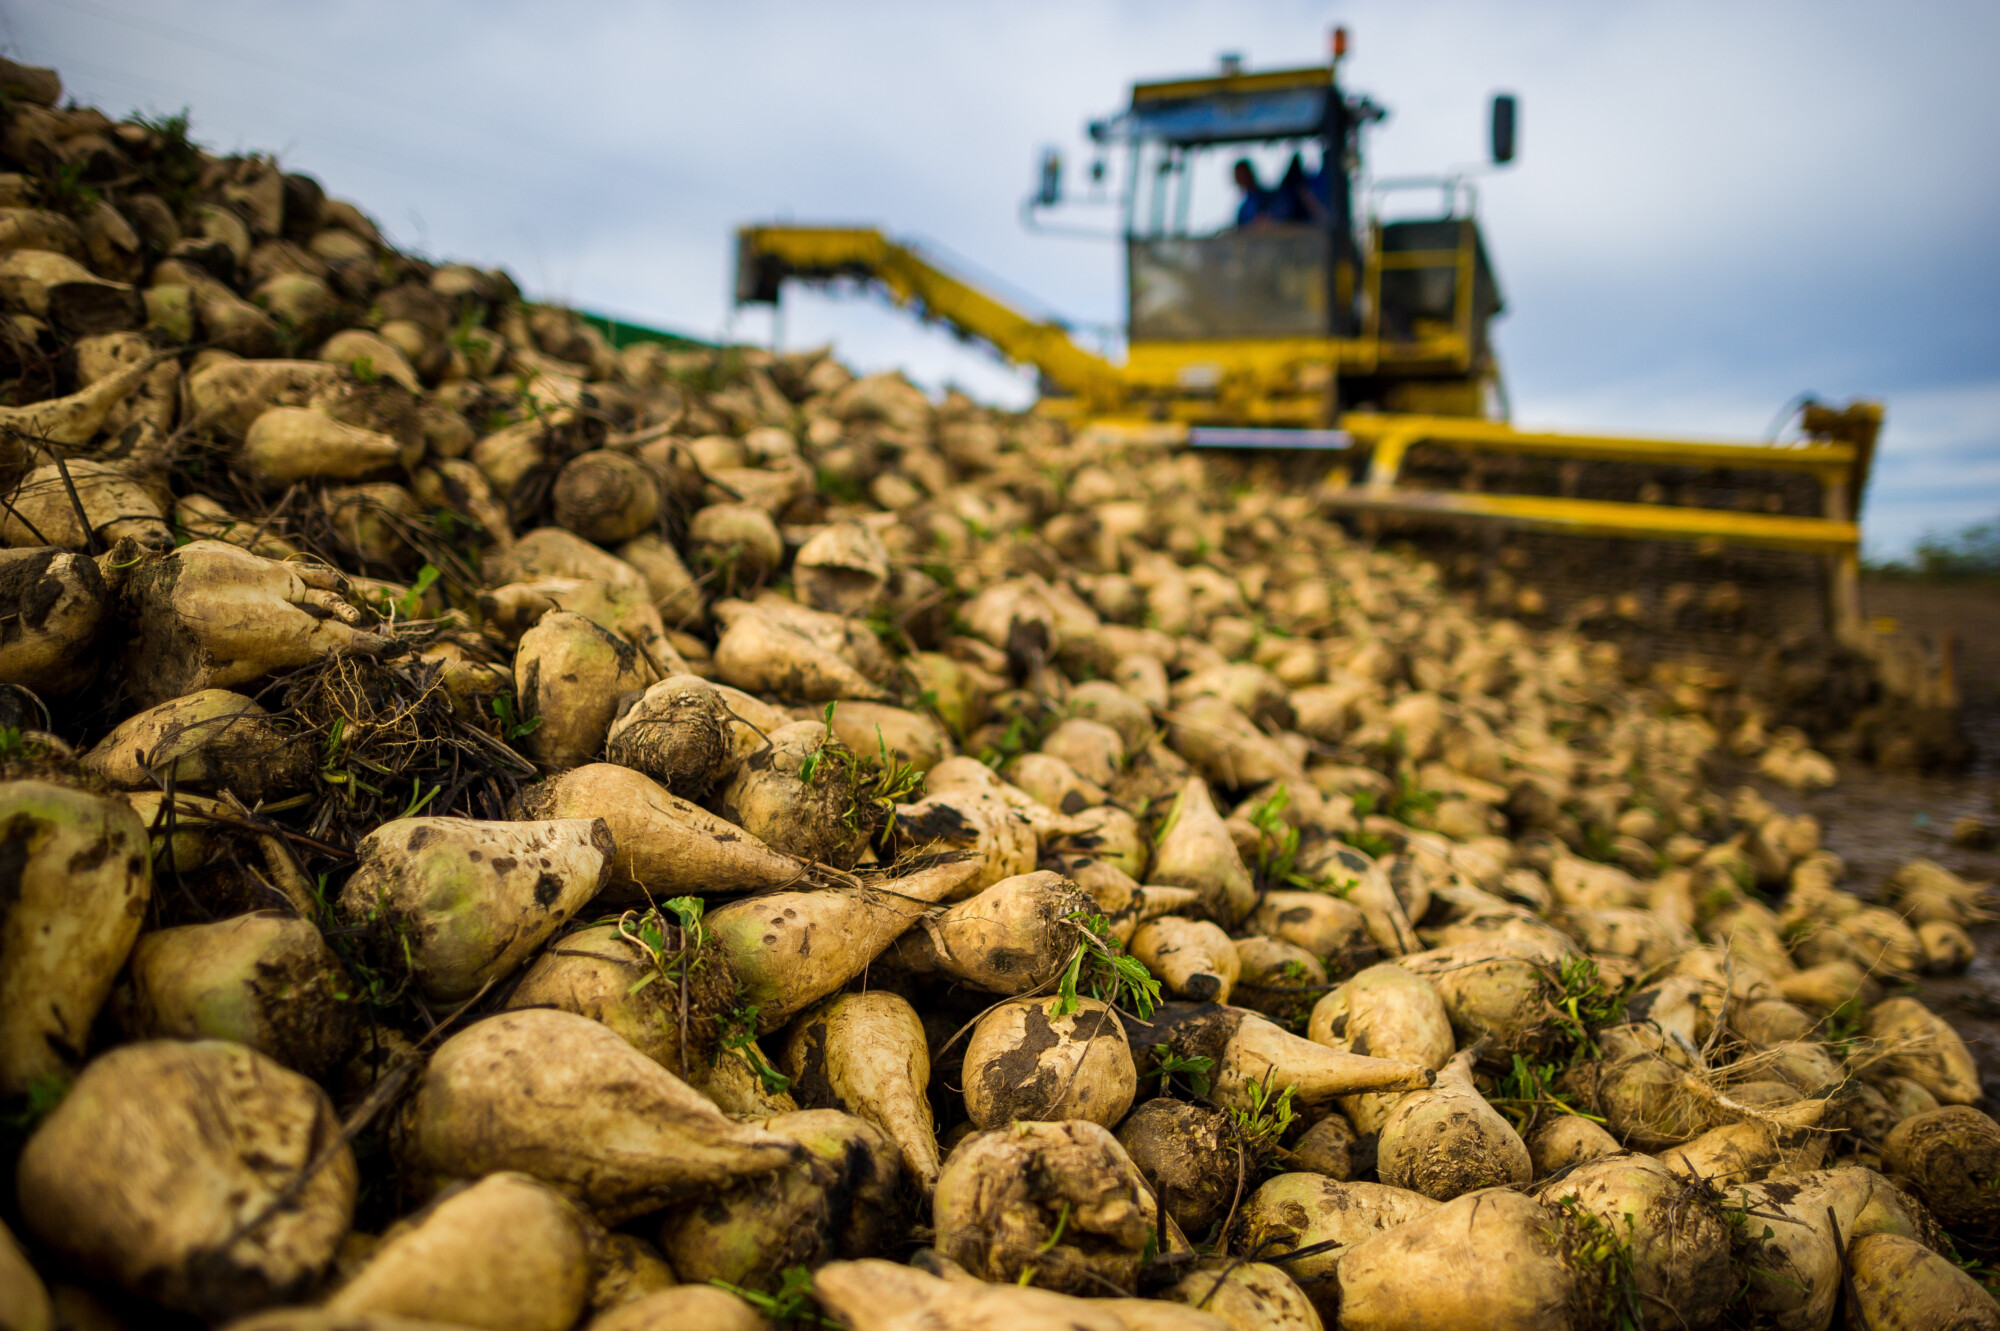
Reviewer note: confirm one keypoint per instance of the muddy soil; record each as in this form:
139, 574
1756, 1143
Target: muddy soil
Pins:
1877, 821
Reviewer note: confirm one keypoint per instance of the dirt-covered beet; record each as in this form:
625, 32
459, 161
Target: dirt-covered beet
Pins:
146, 1174
1060, 1199
1032, 1059
1183, 1150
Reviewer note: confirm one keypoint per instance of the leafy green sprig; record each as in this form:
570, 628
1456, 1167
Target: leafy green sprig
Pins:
1101, 968
792, 1305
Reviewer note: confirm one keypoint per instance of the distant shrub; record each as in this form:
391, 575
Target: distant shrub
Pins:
1973, 552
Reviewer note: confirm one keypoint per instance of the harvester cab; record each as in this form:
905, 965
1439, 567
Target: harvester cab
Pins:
1350, 316
1288, 304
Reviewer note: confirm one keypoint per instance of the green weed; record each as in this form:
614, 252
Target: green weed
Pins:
16, 747
838, 486
1528, 1089
427, 577
370, 953
792, 1305
1195, 1069
1277, 844
738, 1028
877, 784
1022, 734
173, 167
45, 1091
512, 727
1843, 1027
1596, 1246
1372, 844
1582, 1004
419, 797
1980, 1268
1101, 968
1410, 800
1269, 1116
674, 952
66, 192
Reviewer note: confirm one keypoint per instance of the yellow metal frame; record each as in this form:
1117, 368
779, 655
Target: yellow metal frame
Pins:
910, 278
1594, 517
1463, 260
1840, 465
1391, 436
1276, 381
1388, 437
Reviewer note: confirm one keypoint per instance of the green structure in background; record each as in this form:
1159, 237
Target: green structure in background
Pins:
621, 334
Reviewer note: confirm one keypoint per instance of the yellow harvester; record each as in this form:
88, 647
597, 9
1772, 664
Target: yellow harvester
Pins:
1315, 322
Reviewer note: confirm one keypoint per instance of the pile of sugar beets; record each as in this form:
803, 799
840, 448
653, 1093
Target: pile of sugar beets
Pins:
503, 832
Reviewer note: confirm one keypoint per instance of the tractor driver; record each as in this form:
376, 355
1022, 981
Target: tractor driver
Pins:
1256, 205
1296, 198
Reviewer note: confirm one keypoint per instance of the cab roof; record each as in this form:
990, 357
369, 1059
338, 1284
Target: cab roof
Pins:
1225, 108
1222, 85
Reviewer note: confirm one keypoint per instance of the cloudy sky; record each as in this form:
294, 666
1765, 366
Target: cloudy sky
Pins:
1718, 206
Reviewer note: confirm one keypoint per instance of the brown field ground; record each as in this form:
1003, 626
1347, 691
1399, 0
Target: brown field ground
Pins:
1878, 820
